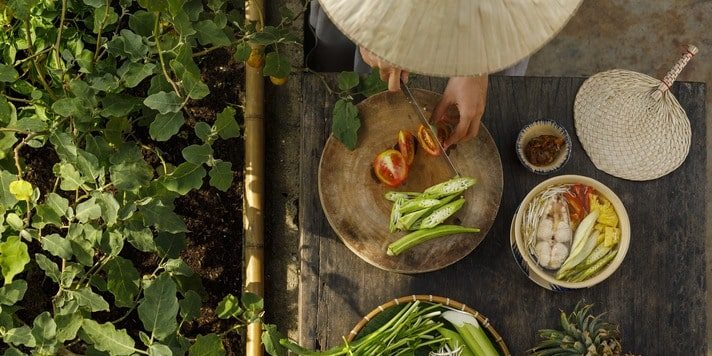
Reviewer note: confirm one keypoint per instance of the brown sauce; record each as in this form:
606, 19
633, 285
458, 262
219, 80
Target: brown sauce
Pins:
543, 150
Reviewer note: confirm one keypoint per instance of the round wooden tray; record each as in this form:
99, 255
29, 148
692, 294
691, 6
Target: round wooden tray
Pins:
352, 197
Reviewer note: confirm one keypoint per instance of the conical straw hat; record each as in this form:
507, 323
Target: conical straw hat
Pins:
450, 37
630, 124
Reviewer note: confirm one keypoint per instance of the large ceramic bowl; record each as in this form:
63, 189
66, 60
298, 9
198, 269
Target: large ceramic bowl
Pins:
532, 268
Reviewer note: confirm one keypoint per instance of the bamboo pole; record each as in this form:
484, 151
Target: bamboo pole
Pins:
253, 217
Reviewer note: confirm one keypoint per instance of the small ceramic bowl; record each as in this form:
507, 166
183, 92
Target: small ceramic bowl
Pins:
532, 269
539, 128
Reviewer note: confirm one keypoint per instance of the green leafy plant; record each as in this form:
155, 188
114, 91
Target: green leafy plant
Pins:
345, 121
101, 84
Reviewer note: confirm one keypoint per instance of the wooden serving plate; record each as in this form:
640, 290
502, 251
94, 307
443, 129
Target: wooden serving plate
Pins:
352, 197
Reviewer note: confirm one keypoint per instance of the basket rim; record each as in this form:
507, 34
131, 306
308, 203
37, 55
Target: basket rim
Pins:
484, 321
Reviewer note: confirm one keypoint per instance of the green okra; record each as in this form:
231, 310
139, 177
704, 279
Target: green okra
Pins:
395, 214
452, 186
418, 204
393, 195
438, 216
417, 237
405, 222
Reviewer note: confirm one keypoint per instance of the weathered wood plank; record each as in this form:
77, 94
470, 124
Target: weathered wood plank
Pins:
660, 286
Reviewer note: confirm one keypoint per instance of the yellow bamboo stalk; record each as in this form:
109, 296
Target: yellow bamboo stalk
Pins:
253, 213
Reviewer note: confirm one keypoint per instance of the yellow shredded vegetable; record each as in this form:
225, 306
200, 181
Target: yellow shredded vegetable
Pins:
612, 235
606, 213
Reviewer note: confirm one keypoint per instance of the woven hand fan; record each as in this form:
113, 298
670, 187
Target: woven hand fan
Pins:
631, 125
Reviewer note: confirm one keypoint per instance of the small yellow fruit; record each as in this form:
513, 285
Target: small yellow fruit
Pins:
256, 59
277, 80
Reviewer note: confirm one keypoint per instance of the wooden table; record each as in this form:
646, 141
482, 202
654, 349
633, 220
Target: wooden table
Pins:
658, 295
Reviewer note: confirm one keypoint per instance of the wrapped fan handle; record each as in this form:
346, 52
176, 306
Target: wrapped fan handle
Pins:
690, 50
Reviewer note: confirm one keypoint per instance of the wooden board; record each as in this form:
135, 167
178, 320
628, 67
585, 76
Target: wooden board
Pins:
352, 198
658, 296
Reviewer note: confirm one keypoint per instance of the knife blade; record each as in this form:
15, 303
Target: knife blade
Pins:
426, 123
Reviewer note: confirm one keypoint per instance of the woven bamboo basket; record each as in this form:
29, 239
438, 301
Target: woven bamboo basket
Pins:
484, 322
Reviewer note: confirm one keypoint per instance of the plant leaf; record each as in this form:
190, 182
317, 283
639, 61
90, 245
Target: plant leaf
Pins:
7, 200
186, 177
270, 339
44, 330
71, 179
68, 325
170, 245
50, 268
346, 123
109, 208
132, 74
372, 84
276, 65
105, 337
57, 246
164, 102
203, 131
209, 33
87, 298
131, 176
21, 189
252, 302
155, 213
242, 52
159, 350
228, 307
164, 126
57, 203
20, 336
13, 257
88, 210
8, 74
122, 281
207, 345
13, 292
221, 175
347, 80
159, 307
197, 154
225, 124
190, 306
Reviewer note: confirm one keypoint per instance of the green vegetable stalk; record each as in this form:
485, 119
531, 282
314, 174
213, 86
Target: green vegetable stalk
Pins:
455, 341
418, 237
471, 332
595, 268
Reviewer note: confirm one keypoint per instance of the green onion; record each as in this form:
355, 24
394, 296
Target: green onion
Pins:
471, 332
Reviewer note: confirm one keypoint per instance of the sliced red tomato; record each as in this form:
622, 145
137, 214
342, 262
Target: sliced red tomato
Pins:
390, 168
406, 145
427, 141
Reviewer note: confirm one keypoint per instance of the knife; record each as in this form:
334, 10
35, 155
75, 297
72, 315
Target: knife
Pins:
426, 123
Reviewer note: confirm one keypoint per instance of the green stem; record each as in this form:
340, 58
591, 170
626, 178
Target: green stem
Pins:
59, 33
38, 69
101, 28
156, 35
32, 57
17, 149
19, 100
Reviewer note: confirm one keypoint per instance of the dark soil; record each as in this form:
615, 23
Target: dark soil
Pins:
214, 218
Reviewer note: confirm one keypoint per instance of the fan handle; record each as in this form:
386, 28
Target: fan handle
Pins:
690, 50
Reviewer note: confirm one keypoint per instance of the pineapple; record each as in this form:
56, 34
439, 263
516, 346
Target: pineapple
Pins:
582, 334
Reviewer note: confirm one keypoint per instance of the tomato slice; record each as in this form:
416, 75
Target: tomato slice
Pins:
406, 145
427, 142
390, 167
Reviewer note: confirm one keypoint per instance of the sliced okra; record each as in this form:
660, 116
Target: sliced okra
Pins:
393, 195
438, 216
395, 214
452, 186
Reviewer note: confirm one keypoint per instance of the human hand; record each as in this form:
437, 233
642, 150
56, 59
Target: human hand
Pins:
389, 74
469, 95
